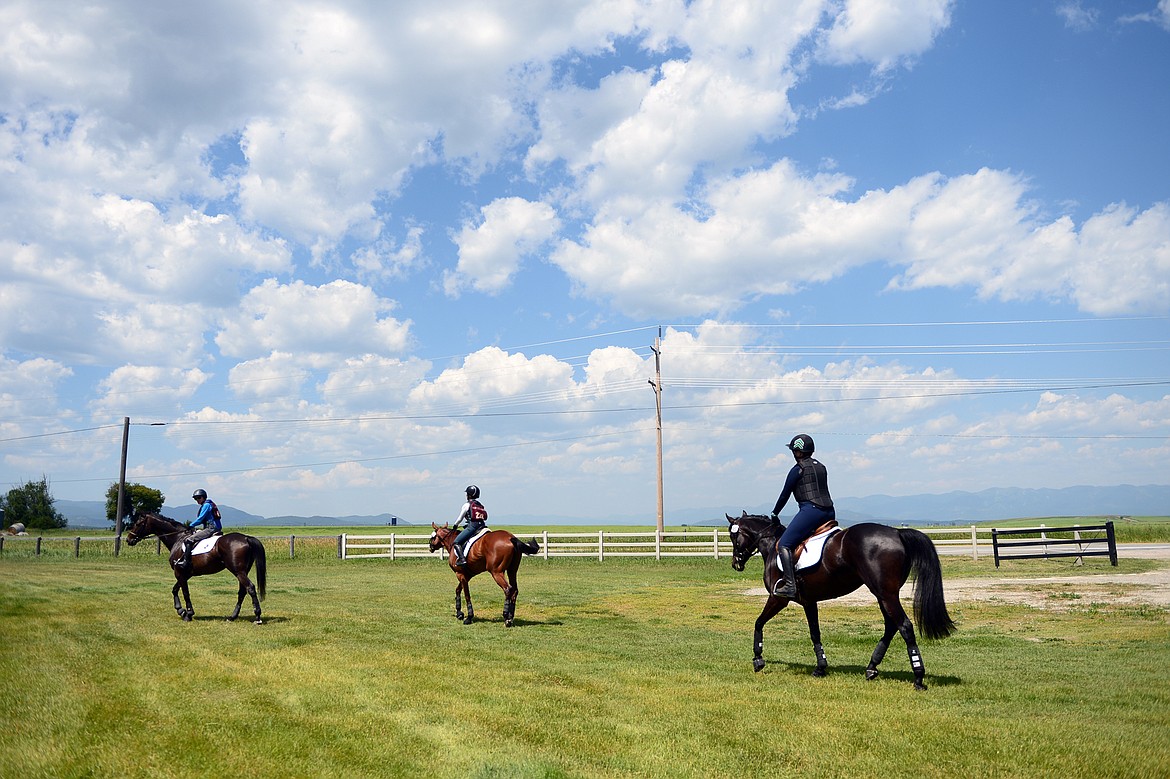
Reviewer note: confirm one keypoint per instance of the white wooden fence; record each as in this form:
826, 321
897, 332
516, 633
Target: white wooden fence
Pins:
602, 544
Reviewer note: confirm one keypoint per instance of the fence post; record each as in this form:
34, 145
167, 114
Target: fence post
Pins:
38, 546
657, 544
715, 539
158, 546
974, 543
600, 545
77, 546
341, 545
995, 545
393, 546
117, 545
1077, 537
544, 537
1112, 542
292, 541
1, 544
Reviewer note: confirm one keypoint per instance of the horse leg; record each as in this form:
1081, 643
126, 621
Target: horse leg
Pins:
189, 613
897, 619
879, 651
175, 594
814, 632
509, 597
458, 599
239, 597
470, 609
771, 609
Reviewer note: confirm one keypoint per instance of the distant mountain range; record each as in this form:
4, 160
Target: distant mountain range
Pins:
997, 503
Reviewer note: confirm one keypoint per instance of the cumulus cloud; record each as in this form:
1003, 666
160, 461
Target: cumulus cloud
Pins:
884, 33
340, 317
490, 252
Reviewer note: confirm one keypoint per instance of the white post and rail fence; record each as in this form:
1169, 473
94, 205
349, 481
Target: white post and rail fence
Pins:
695, 541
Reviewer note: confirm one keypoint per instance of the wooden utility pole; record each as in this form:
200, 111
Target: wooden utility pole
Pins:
656, 383
122, 480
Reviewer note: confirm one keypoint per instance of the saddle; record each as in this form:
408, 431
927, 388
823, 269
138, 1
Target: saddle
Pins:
471, 541
813, 545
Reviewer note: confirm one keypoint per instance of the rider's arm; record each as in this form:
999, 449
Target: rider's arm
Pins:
789, 486
463, 512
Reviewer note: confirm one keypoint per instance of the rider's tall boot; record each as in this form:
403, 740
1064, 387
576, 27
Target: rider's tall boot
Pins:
785, 586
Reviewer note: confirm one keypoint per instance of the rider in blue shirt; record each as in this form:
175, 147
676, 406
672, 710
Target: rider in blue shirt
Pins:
209, 518
476, 516
808, 482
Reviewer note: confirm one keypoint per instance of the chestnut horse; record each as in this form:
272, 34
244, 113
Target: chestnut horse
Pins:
498, 552
234, 552
878, 556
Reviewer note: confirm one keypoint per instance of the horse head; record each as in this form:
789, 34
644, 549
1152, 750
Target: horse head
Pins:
136, 532
439, 536
745, 536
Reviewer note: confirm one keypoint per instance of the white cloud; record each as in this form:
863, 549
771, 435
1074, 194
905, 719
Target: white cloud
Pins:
1077, 17
335, 318
885, 33
145, 390
490, 252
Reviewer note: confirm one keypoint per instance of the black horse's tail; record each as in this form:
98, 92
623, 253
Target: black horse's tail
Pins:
527, 547
930, 608
261, 565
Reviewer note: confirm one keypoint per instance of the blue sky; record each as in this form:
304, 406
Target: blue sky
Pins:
354, 258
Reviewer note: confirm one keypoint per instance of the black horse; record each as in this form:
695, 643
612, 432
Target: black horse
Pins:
234, 552
878, 556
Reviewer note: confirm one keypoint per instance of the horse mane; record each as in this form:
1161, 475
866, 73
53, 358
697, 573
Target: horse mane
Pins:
769, 528
156, 515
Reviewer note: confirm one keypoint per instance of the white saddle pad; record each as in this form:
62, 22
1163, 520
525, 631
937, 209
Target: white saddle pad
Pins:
471, 541
813, 549
205, 545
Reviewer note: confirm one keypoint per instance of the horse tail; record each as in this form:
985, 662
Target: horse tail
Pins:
261, 565
930, 608
527, 547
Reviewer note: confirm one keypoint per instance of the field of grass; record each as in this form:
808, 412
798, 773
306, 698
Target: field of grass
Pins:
623, 668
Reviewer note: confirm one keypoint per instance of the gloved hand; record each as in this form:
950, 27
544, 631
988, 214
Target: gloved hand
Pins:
775, 517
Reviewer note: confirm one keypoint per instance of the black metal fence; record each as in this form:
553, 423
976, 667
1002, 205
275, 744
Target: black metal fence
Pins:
1045, 542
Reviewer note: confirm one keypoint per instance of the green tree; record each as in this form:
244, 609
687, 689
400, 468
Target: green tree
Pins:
32, 505
138, 497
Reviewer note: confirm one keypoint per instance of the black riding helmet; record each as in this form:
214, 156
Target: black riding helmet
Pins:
802, 443
198, 494
472, 492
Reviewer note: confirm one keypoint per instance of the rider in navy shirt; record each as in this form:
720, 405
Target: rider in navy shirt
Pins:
808, 482
208, 519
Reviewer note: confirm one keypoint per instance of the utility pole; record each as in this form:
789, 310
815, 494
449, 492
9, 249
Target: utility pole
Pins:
656, 383
121, 485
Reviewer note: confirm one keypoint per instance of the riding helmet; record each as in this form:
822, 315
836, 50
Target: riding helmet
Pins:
802, 443
472, 492
199, 494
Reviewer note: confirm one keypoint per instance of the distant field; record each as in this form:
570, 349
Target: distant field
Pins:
627, 668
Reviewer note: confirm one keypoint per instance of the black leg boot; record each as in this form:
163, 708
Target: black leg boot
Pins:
460, 556
786, 585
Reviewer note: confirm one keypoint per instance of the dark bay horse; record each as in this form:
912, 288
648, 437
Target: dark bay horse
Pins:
234, 552
498, 552
877, 556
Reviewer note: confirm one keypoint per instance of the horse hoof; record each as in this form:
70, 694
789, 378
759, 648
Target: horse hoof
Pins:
919, 685
258, 621
467, 621
758, 664
507, 623
871, 674
820, 672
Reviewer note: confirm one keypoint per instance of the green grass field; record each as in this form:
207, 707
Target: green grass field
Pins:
623, 668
